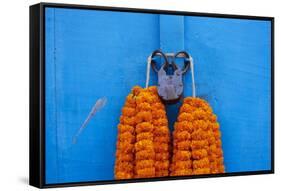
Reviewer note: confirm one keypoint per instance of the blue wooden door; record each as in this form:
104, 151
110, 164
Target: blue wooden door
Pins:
93, 54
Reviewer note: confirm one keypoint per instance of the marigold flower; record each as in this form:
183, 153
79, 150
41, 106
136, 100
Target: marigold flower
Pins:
181, 172
182, 145
199, 134
130, 99
161, 131
185, 117
127, 120
149, 163
158, 105
145, 155
153, 89
125, 158
221, 169
182, 155
200, 153
123, 175
143, 116
126, 167
145, 173
161, 147
136, 90
217, 134
202, 171
201, 163
212, 140
182, 136
125, 128
183, 126
144, 127
199, 144
161, 173
128, 111
200, 114
161, 165
164, 156
157, 113
160, 122
144, 107
126, 137
202, 124
144, 145
162, 139
145, 136
186, 108
213, 118
179, 165
125, 147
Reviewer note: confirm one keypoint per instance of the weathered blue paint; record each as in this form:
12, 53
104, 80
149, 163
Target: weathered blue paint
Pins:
171, 33
232, 71
94, 54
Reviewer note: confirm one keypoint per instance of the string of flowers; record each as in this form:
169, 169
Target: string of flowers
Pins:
197, 144
181, 160
215, 154
143, 145
124, 163
145, 154
161, 136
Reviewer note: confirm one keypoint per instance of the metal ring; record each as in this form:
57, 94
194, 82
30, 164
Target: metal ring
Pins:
153, 63
186, 60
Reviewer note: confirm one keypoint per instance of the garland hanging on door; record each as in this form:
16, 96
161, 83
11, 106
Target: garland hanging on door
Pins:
143, 137
143, 148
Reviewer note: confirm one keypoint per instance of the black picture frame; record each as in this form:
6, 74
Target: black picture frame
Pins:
37, 93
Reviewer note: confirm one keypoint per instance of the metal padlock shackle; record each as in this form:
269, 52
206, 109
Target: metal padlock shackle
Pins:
166, 62
186, 60
181, 54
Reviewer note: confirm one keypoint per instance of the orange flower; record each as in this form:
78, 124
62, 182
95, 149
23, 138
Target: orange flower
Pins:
145, 136
144, 127
145, 173
145, 155
162, 156
125, 128
144, 145
128, 111
149, 163
126, 137
182, 155
160, 122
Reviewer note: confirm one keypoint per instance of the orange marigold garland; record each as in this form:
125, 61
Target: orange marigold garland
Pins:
143, 137
124, 164
197, 145
145, 160
161, 136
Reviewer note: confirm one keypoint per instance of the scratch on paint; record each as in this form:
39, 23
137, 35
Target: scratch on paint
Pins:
100, 103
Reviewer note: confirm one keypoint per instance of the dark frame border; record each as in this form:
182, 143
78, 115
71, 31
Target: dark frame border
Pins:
37, 93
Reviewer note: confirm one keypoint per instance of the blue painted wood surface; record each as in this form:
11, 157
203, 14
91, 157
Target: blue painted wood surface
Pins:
93, 54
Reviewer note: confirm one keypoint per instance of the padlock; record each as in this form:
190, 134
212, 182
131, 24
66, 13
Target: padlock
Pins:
170, 86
